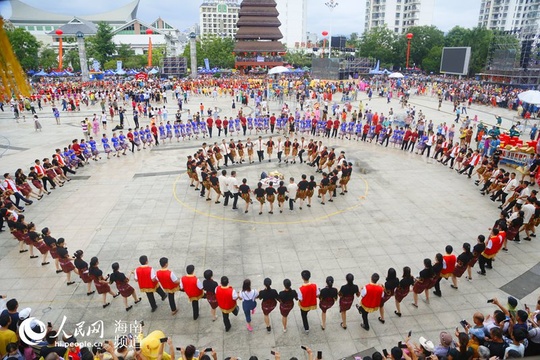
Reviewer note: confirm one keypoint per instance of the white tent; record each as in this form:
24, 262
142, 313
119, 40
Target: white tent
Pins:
396, 75
530, 97
278, 70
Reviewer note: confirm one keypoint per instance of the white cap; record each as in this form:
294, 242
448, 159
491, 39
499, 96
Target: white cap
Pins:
25, 313
426, 344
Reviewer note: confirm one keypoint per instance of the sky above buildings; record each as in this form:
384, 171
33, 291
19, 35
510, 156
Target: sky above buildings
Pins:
346, 18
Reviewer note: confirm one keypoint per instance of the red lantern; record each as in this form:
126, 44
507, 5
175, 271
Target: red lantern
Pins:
325, 33
59, 32
410, 36
149, 32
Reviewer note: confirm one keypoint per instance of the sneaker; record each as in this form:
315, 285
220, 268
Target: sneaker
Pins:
249, 327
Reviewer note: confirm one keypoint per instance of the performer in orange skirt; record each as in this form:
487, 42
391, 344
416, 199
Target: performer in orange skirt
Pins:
401, 292
269, 298
82, 270
346, 298
100, 282
311, 189
476, 252
323, 187
122, 284
240, 148
270, 196
244, 193
327, 299
423, 281
301, 193
286, 300
209, 287
260, 196
40, 245
390, 285
281, 191
461, 265
295, 147
65, 260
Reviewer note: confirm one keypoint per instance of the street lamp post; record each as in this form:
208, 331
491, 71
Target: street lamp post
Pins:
59, 32
324, 34
149, 32
193, 54
409, 38
82, 56
331, 4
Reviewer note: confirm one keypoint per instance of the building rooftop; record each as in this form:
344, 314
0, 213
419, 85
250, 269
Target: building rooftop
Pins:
75, 25
23, 12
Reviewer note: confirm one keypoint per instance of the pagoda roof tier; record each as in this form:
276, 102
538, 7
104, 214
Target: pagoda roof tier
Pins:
259, 3
258, 46
258, 33
258, 11
265, 21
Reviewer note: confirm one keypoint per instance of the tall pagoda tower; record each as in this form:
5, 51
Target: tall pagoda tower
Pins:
258, 33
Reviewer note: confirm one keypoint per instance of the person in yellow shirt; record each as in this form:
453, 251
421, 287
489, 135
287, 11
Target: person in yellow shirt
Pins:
6, 335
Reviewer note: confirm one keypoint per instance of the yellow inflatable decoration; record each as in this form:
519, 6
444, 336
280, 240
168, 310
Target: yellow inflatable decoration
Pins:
12, 75
150, 346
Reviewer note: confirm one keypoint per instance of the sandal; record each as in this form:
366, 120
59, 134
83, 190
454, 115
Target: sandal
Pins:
90, 293
138, 301
381, 320
107, 304
129, 307
397, 313
343, 327
416, 306
453, 287
115, 296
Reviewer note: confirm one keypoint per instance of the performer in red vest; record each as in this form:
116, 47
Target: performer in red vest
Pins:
493, 246
226, 298
169, 281
449, 264
193, 288
307, 298
371, 294
148, 282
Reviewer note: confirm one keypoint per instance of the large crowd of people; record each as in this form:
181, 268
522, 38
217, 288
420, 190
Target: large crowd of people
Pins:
285, 135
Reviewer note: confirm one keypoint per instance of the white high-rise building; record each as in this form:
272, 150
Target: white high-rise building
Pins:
519, 16
399, 15
218, 17
293, 18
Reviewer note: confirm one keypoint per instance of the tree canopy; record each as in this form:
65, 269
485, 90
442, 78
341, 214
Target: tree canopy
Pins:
25, 46
426, 45
101, 46
218, 51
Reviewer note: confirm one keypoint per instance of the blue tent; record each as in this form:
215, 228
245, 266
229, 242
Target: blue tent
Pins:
131, 72
109, 73
30, 72
41, 73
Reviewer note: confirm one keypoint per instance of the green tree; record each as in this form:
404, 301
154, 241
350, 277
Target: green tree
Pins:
424, 39
124, 52
101, 47
48, 59
25, 46
218, 51
378, 43
458, 36
299, 58
134, 62
71, 58
432, 61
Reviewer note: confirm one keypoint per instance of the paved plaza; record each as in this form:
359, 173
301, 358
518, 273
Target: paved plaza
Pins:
400, 209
